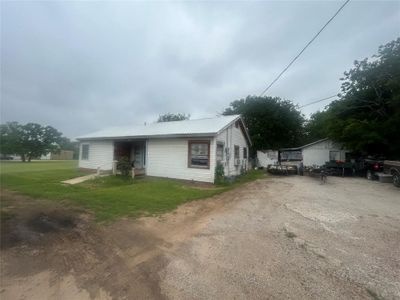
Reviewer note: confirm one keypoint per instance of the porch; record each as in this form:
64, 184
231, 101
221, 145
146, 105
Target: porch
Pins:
135, 151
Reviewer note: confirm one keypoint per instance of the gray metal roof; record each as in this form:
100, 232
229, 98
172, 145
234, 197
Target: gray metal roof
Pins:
305, 146
313, 143
199, 127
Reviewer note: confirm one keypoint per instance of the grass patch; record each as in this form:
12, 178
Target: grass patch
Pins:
107, 197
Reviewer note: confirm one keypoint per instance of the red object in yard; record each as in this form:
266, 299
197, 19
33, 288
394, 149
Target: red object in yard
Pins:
339, 162
376, 166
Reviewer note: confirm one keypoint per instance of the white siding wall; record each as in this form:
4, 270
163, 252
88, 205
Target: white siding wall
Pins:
101, 154
318, 154
232, 136
266, 158
169, 158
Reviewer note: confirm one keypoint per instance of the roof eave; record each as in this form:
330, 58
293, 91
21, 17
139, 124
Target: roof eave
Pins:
239, 117
142, 137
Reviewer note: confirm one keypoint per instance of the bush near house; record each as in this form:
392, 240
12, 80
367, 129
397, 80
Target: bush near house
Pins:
124, 166
219, 173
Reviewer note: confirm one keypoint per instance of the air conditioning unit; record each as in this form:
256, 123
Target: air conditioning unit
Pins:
237, 161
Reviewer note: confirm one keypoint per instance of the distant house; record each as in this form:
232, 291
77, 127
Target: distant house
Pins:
61, 155
319, 152
313, 154
266, 158
316, 153
188, 149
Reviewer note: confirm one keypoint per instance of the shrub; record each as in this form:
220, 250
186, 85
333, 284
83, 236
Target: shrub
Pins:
124, 166
219, 173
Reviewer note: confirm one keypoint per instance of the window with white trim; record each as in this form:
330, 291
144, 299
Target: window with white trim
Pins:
85, 152
244, 152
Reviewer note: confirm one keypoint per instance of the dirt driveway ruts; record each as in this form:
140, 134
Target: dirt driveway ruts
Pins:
275, 238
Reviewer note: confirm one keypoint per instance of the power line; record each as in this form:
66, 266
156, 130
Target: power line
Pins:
316, 101
301, 52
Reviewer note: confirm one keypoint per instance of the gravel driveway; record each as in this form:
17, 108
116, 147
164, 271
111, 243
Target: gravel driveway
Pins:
292, 238
275, 238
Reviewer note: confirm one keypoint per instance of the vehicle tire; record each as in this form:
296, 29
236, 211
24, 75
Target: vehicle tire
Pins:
370, 176
396, 179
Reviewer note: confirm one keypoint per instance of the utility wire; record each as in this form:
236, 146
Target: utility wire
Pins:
301, 52
316, 101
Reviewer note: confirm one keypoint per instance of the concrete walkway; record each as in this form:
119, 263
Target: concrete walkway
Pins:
79, 179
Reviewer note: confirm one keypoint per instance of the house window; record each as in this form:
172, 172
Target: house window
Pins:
245, 153
237, 156
334, 155
199, 154
85, 152
220, 152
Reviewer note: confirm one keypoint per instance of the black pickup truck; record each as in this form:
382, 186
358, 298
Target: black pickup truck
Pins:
392, 167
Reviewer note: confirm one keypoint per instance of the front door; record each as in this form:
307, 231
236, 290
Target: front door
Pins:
139, 157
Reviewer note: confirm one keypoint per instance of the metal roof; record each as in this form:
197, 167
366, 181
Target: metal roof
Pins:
199, 127
302, 147
313, 143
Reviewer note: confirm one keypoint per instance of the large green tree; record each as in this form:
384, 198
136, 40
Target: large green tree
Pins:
272, 122
29, 141
172, 117
316, 127
366, 119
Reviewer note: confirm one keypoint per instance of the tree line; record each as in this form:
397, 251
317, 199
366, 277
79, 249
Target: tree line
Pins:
365, 119
32, 140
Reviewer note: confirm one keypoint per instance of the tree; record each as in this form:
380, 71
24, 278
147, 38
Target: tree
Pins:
367, 117
66, 144
316, 127
172, 117
272, 122
10, 138
29, 141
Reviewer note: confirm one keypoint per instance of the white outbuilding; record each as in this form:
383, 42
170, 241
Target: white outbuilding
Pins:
266, 158
313, 154
188, 149
322, 151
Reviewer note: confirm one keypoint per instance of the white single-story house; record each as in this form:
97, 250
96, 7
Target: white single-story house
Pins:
188, 149
314, 154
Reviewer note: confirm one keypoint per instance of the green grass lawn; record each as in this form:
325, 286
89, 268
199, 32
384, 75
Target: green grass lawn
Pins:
107, 197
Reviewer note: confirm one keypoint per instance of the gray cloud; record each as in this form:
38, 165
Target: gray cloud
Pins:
82, 66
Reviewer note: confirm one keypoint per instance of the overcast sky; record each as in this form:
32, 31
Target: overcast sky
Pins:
83, 66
